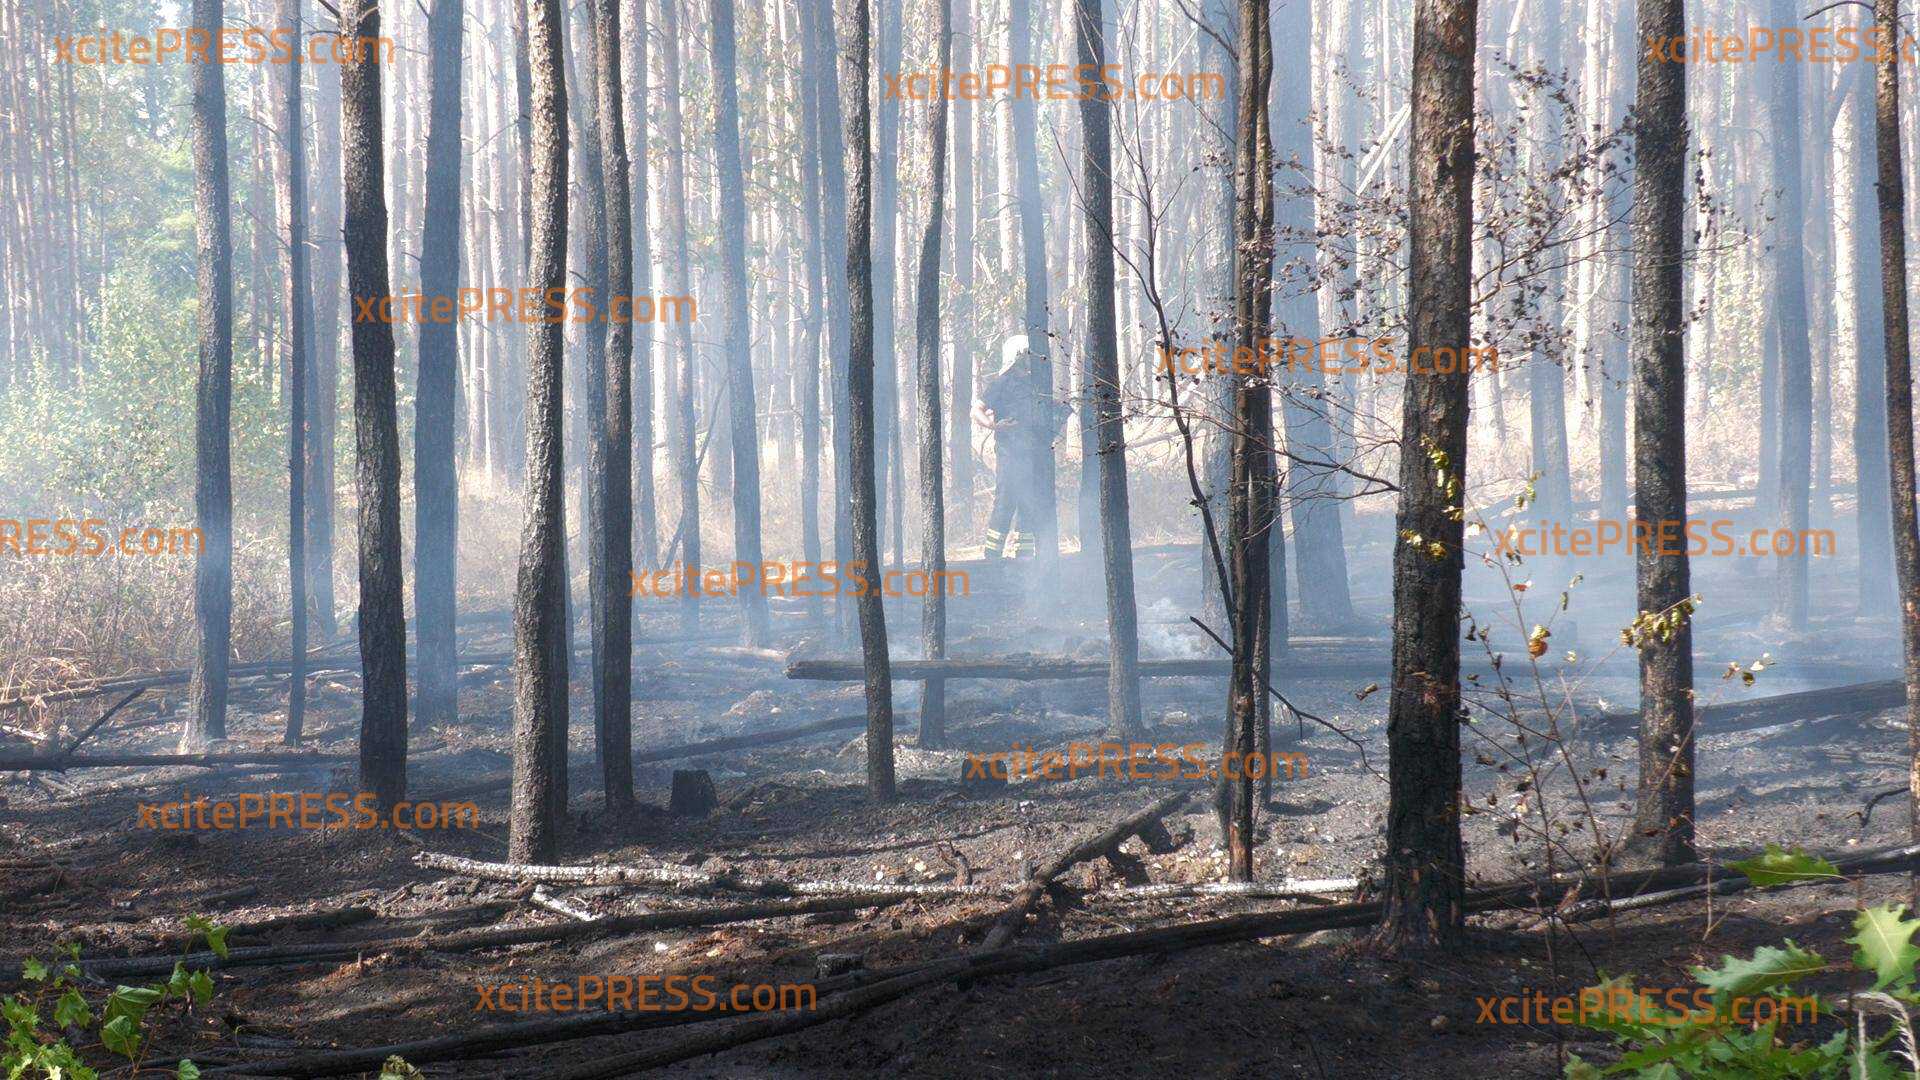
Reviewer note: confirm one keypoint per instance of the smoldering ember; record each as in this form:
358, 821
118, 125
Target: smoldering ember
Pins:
582, 539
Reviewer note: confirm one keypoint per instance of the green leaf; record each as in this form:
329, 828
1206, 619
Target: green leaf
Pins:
122, 1036
132, 1002
20, 1014
188, 1071
1778, 867
33, 970
177, 982
201, 985
71, 1010
396, 1068
1885, 941
1771, 966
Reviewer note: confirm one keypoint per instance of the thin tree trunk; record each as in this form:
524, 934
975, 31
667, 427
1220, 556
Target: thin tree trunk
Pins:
933, 525
1034, 281
739, 336
436, 483
960, 429
635, 35
813, 336
1870, 434
383, 628
213, 397
323, 404
1794, 474
613, 677
1103, 372
680, 415
1425, 866
1663, 819
1899, 382
293, 209
539, 605
855, 74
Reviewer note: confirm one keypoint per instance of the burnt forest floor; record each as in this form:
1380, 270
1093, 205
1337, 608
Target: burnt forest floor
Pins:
77, 865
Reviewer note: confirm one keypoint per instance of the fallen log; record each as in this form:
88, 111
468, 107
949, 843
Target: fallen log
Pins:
1009, 961
883, 985
683, 878
63, 763
1865, 697
470, 940
1014, 918
1246, 890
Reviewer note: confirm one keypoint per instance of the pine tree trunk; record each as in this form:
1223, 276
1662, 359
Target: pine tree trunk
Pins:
383, 628
1875, 566
933, 526
293, 210
812, 336
1103, 373
436, 485
680, 416
1425, 867
1026, 165
733, 273
1795, 480
855, 74
635, 36
1663, 820
613, 677
323, 405
539, 604
213, 397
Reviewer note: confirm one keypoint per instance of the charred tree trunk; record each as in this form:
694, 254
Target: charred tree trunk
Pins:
888, 461
854, 77
383, 628
436, 484
613, 674
1893, 279
213, 396
933, 507
1425, 864
733, 272
1663, 819
293, 210
1103, 371
539, 604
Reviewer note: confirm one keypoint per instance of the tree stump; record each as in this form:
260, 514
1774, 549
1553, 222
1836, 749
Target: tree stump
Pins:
693, 794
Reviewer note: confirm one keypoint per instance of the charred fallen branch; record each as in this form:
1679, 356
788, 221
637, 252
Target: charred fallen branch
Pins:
471, 940
685, 879
1854, 699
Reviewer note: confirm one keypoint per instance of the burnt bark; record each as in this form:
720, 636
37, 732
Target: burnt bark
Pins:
1425, 862
1103, 377
383, 628
539, 606
1663, 817
436, 484
933, 524
293, 211
855, 75
213, 396
613, 672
